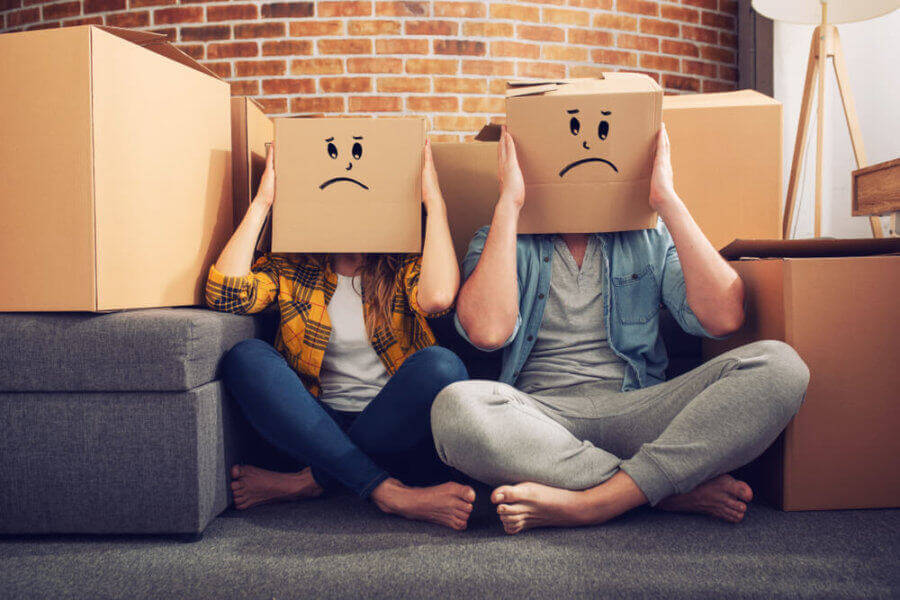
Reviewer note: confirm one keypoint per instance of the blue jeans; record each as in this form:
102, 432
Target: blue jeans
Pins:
390, 437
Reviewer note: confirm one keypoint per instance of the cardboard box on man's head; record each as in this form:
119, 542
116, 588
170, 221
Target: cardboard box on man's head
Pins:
348, 185
586, 148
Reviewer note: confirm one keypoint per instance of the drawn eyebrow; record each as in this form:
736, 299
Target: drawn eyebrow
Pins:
357, 137
605, 112
331, 139
573, 111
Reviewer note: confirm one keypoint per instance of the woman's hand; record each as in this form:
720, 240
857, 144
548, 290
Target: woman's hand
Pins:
431, 189
265, 195
662, 183
512, 186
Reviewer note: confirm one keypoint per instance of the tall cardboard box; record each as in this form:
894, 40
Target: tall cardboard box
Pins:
251, 130
726, 154
116, 171
836, 302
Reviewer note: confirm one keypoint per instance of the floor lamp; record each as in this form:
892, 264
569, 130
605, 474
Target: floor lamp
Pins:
825, 44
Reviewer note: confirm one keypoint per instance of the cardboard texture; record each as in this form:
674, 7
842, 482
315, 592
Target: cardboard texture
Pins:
586, 148
876, 189
726, 155
251, 130
348, 185
468, 176
835, 302
116, 186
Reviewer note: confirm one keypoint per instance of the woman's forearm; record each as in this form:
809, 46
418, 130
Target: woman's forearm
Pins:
237, 256
439, 277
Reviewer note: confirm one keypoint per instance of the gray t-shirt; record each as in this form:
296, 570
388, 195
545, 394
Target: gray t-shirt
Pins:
571, 355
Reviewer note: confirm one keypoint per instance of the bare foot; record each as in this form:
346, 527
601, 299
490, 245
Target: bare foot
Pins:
448, 504
529, 505
252, 486
723, 497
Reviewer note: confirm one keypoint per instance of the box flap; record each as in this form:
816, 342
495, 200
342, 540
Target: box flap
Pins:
489, 133
156, 42
719, 100
813, 248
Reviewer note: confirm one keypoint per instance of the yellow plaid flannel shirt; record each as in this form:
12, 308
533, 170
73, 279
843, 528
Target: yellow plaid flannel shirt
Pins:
302, 290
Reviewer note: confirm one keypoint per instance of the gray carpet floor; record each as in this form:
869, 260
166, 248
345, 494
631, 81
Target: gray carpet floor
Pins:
343, 548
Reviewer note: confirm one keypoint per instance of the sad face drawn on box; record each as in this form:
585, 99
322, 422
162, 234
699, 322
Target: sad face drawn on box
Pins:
581, 128
348, 153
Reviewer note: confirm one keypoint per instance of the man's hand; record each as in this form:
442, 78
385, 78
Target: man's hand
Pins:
265, 195
512, 186
662, 184
431, 189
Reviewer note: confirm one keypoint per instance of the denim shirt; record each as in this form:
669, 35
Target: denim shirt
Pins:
642, 272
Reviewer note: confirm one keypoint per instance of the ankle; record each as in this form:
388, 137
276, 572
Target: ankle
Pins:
387, 495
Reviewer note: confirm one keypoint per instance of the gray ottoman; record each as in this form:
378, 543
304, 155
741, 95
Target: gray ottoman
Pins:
115, 423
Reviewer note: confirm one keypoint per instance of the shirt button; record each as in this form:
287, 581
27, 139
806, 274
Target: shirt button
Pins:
634, 275
516, 374
546, 259
540, 296
530, 337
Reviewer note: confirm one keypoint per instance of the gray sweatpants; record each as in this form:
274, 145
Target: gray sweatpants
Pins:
669, 437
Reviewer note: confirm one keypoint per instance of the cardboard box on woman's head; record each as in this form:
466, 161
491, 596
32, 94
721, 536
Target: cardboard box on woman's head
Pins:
348, 185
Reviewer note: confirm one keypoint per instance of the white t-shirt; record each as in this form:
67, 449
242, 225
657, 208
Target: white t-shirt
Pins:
352, 374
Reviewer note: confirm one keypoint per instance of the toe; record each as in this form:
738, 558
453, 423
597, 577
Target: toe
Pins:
744, 491
236, 471
468, 494
237, 485
504, 493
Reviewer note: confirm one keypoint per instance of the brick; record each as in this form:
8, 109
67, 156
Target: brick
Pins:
95, 6
460, 85
401, 9
273, 106
717, 86
620, 22
717, 20
564, 52
459, 47
604, 4
637, 42
317, 66
374, 65
488, 67
643, 7
245, 88
515, 49
586, 71
462, 10
657, 27
205, 33
728, 73
316, 28
432, 103
248, 68
728, 6
142, 3
717, 54
703, 69
540, 69
179, 14
344, 46
651, 74
614, 57
394, 85
289, 86
139, 18
171, 33
436, 28
47, 25
259, 30
442, 137
287, 10
438, 66
401, 46
345, 84
222, 69
590, 37
321, 104
707, 4
484, 104
375, 104
61, 10
516, 12
498, 87
287, 47
678, 13
540, 33
231, 12
488, 29
728, 39
458, 123
680, 82
699, 34
232, 50
380, 27
681, 48
659, 63
23, 17
562, 16
97, 20
348, 8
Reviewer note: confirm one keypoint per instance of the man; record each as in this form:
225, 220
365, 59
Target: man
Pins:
590, 429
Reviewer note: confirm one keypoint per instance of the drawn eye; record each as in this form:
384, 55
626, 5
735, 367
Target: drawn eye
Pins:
574, 126
603, 129
332, 150
356, 151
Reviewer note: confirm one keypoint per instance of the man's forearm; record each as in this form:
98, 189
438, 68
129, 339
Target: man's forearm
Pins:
488, 304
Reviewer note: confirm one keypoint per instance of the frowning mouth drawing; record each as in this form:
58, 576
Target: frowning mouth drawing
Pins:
338, 179
571, 166
602, 134
356, 152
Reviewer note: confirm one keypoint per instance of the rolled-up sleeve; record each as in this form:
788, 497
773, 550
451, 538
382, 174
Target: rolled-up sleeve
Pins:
244, 295
411, 270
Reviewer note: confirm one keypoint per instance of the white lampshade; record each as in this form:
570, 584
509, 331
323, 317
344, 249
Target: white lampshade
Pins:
810, 11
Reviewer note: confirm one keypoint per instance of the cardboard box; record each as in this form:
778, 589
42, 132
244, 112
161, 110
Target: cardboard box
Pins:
836, 303
586, 148
468, 176
348, 185
116, 171
251, 130
726, 155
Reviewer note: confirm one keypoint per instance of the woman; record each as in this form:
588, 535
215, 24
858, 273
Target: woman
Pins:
347, 389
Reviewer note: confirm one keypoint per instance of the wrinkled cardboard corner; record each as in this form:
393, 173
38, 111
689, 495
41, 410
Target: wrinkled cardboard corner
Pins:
348, 185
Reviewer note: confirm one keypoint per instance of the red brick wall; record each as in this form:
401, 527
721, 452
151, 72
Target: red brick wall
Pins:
446, 59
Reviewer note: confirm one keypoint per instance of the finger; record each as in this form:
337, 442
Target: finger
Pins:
511, 150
